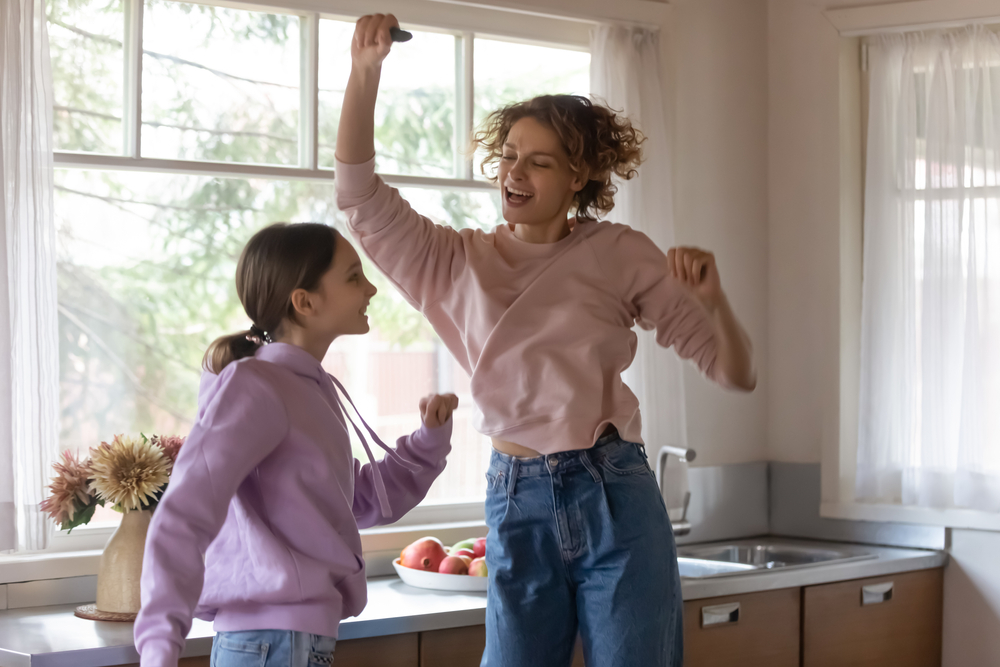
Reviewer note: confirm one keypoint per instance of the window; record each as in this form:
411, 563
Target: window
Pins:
928, 364
174, 148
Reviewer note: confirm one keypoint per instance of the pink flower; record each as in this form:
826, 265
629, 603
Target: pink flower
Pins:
170, 444
70, 492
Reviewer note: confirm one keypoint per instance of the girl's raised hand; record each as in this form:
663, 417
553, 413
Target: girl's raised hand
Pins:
696, 268
436, 409
372, 41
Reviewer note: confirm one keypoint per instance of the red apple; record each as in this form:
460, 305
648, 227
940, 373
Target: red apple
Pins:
424, 554
463, 552
465, 559
453, 565
477, 568
479, 547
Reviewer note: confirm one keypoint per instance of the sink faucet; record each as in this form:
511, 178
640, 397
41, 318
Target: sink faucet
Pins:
682, 526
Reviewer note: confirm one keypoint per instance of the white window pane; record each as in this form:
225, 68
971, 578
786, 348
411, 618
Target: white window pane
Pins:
219, 84
85, 46
146, 282
415, 113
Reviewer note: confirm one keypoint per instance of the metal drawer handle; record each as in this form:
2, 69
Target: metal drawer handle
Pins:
720, 614
876, 593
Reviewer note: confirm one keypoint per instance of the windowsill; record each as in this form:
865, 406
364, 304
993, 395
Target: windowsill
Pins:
380, 546
950, 518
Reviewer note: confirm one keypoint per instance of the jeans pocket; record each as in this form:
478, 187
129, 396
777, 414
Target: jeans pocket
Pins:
624, 460
496, 500
321, 653
320, 659
231, 653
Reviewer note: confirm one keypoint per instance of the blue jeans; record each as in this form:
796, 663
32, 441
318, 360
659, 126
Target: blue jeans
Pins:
580, 542
271, 648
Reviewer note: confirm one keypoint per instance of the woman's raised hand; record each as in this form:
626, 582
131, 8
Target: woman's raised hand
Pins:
696, 269
436, 409
372, 41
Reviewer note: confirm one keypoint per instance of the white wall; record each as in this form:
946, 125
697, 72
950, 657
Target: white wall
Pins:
804, 191
718, 53
803, 325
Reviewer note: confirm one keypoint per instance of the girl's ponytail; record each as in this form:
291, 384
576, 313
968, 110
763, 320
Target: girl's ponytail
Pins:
276, 261
227, 349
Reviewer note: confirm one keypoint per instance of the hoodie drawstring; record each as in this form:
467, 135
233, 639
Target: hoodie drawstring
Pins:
383, 497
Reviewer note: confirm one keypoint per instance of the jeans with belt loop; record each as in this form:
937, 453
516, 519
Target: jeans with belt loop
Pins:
580, 542
272, 648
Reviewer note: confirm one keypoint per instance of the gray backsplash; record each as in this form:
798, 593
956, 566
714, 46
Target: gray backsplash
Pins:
727, 502
794, 512
735, 501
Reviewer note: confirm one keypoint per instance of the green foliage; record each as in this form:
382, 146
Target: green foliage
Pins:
82, 517
133, 330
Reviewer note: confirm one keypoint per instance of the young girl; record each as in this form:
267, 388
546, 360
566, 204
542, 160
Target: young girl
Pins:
261, 518
540, 313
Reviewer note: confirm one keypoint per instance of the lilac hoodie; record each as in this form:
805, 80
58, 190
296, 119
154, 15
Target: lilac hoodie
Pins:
267, 491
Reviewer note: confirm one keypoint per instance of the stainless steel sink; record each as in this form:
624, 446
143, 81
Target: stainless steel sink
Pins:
696, 568
719, 560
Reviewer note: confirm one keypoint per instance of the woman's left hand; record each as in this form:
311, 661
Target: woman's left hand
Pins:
696, 268
436, 409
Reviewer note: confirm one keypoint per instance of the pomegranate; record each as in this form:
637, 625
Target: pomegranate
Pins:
453, 565
424, 554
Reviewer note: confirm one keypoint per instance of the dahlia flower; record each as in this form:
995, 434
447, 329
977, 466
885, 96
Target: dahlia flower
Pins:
129, 472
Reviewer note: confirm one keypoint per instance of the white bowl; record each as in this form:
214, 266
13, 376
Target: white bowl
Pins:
438, 581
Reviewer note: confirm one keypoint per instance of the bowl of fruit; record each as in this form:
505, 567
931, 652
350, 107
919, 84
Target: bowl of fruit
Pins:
427, 563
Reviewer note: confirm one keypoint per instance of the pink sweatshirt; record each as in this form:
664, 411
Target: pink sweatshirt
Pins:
267, 490
544, 330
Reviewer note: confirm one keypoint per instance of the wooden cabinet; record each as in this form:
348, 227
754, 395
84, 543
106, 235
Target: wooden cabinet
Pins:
893, 620
388, 651
747, 630
463, 647
456, 647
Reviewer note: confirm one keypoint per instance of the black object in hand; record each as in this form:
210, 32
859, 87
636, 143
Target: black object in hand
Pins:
398, 35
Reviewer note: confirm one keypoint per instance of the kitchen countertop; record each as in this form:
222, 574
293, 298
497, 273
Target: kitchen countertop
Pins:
53, 637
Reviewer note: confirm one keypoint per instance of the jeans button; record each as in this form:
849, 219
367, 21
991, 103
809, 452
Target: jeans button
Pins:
553, 461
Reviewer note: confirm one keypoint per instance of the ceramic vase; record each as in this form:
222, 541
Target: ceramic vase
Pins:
121, 565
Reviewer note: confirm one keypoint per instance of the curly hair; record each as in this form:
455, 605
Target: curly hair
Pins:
595, 138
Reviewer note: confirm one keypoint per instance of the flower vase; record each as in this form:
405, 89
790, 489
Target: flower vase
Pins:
120, 571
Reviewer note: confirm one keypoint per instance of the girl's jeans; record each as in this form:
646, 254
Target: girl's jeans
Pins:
272, 648
580, 541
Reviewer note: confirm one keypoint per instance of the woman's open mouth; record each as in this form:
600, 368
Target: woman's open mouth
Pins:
516, 197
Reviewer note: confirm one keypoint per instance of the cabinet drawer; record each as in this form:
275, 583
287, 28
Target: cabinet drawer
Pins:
863, 622
763, 631
455, 647
389, 651
463, 647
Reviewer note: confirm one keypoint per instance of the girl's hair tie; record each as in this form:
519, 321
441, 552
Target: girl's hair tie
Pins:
258, 336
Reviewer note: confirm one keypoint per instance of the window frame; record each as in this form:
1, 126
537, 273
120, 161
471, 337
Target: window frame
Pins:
552, 24
839, 449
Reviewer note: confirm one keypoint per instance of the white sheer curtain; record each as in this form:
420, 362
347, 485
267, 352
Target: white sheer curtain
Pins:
930, 376
625, 74
29, 394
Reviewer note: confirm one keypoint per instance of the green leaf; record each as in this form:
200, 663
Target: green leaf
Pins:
81, 518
